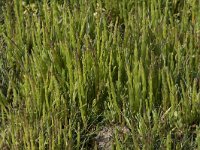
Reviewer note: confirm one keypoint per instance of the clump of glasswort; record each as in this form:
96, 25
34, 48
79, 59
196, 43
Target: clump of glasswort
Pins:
71, 69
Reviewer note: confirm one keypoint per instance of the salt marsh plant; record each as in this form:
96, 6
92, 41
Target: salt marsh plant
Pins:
70, 68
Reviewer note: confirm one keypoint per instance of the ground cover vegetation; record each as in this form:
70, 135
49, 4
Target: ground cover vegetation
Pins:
71, 69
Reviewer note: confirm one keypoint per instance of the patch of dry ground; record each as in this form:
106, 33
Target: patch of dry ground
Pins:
105, 137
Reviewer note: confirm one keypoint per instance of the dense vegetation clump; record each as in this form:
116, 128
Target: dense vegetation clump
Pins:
106, 74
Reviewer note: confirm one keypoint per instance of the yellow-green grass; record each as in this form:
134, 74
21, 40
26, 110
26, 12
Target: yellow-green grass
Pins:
70, 68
